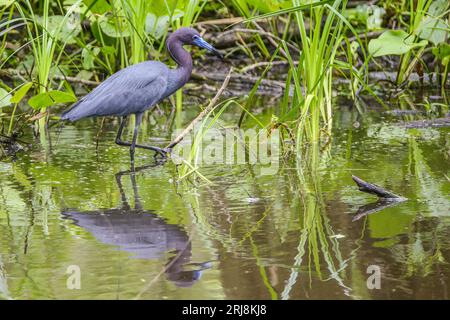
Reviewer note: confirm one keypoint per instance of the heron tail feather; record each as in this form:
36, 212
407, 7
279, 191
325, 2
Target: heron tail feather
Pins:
73, 113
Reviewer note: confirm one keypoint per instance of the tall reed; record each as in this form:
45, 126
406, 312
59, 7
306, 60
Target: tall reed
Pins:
136, 13
46, 48
321, 29
320, 38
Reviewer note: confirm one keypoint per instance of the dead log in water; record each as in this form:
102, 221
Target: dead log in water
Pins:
374, 189
386, 198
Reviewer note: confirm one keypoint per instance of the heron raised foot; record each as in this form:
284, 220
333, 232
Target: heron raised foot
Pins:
139, 87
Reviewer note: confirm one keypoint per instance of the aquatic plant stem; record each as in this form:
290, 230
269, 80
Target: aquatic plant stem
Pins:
11, 121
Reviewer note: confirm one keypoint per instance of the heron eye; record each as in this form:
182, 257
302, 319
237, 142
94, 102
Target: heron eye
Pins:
195, 37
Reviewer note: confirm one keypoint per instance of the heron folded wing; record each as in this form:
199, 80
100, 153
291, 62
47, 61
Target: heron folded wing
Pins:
131, 101
129, 90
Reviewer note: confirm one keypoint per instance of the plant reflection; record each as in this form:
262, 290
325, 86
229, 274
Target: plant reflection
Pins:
317, 240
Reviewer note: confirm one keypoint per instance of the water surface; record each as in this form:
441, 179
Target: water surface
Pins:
289, 235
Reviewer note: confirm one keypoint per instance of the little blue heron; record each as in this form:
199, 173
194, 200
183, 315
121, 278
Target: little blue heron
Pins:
139, 87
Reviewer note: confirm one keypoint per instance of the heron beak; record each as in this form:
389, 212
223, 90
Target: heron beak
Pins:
199, 42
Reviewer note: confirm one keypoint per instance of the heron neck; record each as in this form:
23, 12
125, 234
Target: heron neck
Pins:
182, 58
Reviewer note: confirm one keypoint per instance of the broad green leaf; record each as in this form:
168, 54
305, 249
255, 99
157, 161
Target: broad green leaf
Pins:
438, 7
375, 18
63, 29
23, 90
5, 98
84, 74
5, 3
88, 54
396, 42
114, 27
47, 99
158, 26
108, 50
62, 97
433, 30
166, 7
369, 15
41, 100
266, 6
97, 6
290, 9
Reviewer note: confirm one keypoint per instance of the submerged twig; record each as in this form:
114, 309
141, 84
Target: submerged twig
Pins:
374, 189
202, 114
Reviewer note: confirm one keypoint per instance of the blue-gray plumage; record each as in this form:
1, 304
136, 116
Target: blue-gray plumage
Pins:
139, 87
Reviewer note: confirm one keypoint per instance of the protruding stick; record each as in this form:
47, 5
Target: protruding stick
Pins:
374, 189
213, 102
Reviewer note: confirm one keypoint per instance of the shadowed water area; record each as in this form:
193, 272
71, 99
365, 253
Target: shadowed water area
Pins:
297, 234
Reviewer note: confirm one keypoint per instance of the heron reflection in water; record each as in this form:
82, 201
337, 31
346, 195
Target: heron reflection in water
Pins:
143, 234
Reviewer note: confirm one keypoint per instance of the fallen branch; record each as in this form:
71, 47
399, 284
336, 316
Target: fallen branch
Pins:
15, 73
77, 80
271, 37
216, 22
240, 77
376, 190
264, 64
202, 114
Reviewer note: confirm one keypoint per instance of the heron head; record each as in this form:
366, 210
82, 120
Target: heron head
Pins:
191, 36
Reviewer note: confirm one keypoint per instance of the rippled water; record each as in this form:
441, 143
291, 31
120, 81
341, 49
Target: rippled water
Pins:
71, 203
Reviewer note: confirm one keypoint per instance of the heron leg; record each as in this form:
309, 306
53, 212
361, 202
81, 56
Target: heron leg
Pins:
119, 133
120, 142
135, 133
